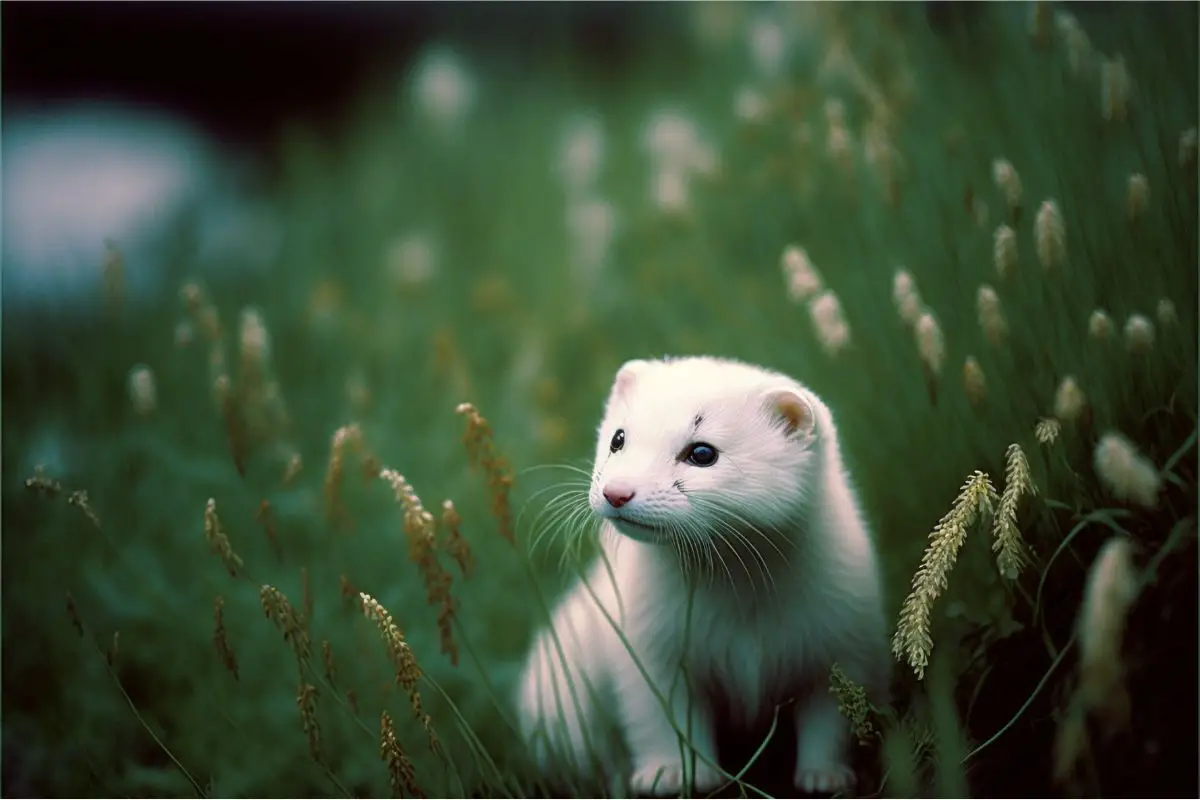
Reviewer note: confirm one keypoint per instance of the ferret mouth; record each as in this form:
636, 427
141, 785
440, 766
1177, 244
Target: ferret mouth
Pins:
639, 531
635, 523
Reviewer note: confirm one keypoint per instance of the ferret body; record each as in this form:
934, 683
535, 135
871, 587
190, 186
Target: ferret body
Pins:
735, 564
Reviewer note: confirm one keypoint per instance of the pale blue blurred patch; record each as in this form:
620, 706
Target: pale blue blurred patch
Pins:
79, 175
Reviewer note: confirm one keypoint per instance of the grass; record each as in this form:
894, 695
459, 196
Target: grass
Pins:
507, 320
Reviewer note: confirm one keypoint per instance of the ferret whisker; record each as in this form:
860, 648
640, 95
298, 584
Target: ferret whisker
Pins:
759, 561
558, 516
726, 514
750, 526
572, 488
715, 548
564, 466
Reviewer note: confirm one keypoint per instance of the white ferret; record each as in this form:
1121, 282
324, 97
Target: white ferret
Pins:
721, 492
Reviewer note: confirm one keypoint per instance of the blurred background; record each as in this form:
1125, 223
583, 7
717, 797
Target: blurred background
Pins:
231, 229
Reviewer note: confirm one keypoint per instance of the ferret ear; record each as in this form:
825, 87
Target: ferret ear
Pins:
793, 411
626, 377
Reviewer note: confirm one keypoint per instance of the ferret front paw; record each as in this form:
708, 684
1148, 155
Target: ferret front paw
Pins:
664, 778
830, 779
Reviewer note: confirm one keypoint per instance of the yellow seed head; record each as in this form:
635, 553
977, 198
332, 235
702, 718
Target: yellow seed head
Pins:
1139, 334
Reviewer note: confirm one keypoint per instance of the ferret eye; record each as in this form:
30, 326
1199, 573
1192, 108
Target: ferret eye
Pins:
618, 441
701, 455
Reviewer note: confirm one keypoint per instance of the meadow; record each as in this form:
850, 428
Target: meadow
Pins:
266, 524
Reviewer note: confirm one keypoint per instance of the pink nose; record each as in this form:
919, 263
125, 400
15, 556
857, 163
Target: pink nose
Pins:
618, 496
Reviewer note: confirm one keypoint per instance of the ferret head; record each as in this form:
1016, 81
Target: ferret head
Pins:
695, 446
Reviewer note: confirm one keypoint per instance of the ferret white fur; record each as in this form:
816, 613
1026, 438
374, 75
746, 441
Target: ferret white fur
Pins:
768, 547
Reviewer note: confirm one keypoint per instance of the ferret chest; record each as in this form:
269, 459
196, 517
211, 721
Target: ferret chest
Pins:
749, 660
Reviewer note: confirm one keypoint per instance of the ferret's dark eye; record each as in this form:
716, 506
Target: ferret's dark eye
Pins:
701, 455
618, 440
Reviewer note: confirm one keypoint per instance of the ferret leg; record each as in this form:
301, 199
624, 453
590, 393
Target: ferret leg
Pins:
661, 757
558, 711
821, 736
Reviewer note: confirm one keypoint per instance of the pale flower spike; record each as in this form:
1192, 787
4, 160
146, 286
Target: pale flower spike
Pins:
1139, 334
1050, 235
906, 297
930, 343
1100, 325
1127, 474
1069, 401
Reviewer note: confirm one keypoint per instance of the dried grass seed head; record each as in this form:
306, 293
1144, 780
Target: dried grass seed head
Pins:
1004, 251
803, 279
1139, 334
1166, 313
1050, 235
1008, 181
991, 315
1187, 148
1116, 87
973, 381
1047, 430
401, 775
913, 641
143, 391
906, 297
1006, 536
1126, 473
930, 343
408, 671
1080, 53
1139, 196
829, 322
218, 542
1069, 400
1100, 325
254, 341
1112, 588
